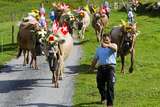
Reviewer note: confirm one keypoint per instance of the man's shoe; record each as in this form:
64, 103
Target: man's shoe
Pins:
104, 101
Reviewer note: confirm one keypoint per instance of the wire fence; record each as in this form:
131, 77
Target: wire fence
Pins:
8, 33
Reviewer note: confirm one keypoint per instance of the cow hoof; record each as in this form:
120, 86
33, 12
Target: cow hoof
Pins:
31, 66
122, 71
56, 86
36, 68
130, 70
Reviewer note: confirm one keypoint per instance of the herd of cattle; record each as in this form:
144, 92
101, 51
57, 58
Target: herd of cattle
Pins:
56, 42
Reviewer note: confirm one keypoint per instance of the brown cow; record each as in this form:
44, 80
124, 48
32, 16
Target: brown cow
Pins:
98, 23
124, 36
27, 40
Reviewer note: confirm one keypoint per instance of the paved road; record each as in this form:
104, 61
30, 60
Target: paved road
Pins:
23, 87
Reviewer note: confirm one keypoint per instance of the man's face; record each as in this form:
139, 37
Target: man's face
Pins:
107, 40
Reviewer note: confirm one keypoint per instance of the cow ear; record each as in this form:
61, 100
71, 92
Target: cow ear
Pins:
123, 22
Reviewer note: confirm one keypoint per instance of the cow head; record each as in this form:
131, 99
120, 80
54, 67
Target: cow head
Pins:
128, 33
42, 34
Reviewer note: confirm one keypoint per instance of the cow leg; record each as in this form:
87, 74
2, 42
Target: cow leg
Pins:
101, 33
53, 77
56, 79
31, 63
97, 35
122, 62
50, 61
96, 31
132, 61
83, 31
61, 71
27, 59
35, 63
34, 60
24, 54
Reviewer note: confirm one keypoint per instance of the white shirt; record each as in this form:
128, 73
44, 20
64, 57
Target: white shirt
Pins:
130, 14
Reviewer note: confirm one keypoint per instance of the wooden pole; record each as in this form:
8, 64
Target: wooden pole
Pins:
12, 34
2, 45
12, 21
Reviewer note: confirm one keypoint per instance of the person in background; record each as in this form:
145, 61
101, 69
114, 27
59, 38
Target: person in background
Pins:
52, 15
43, 22
106, 59
130, 16
42, 9
106, 7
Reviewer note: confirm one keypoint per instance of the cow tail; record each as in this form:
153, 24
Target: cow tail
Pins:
19, 53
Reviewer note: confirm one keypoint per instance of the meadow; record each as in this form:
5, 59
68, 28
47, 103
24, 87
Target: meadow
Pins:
11, 12
139, 89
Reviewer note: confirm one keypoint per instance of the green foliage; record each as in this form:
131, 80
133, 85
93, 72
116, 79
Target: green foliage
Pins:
12, 11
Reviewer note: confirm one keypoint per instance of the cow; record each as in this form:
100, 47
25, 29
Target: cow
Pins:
55, 60
27, 39
85, 20
58, 48
124, 36
99, 21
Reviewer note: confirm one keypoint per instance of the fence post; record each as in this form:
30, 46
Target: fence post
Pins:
2, 45
12, 21
12, 34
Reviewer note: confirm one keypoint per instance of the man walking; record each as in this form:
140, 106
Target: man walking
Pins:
106, 58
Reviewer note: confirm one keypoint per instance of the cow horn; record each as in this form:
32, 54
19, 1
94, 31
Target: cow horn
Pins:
123, 22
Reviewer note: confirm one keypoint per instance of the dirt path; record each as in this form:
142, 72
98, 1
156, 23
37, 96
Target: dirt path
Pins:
23, 87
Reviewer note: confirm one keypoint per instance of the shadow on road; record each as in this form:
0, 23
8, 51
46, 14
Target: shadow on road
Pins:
83, 69
59, 105
42, 105
90, 104
14, 85
9, 69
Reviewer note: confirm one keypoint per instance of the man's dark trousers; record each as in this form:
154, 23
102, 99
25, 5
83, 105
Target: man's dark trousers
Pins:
105, 82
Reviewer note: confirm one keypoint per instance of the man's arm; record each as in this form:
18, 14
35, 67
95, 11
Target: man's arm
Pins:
93, 64
110, 45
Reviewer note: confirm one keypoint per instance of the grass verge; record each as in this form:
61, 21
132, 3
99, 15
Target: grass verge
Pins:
139, 89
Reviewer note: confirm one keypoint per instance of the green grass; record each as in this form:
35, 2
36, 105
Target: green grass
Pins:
139, 89
11, 12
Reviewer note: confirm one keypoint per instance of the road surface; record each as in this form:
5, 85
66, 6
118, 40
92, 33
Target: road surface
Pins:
24, 87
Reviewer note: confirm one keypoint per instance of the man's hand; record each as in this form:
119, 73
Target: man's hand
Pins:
94, 62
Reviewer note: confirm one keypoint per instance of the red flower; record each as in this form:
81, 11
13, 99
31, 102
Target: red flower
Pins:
51, 38
64, 29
